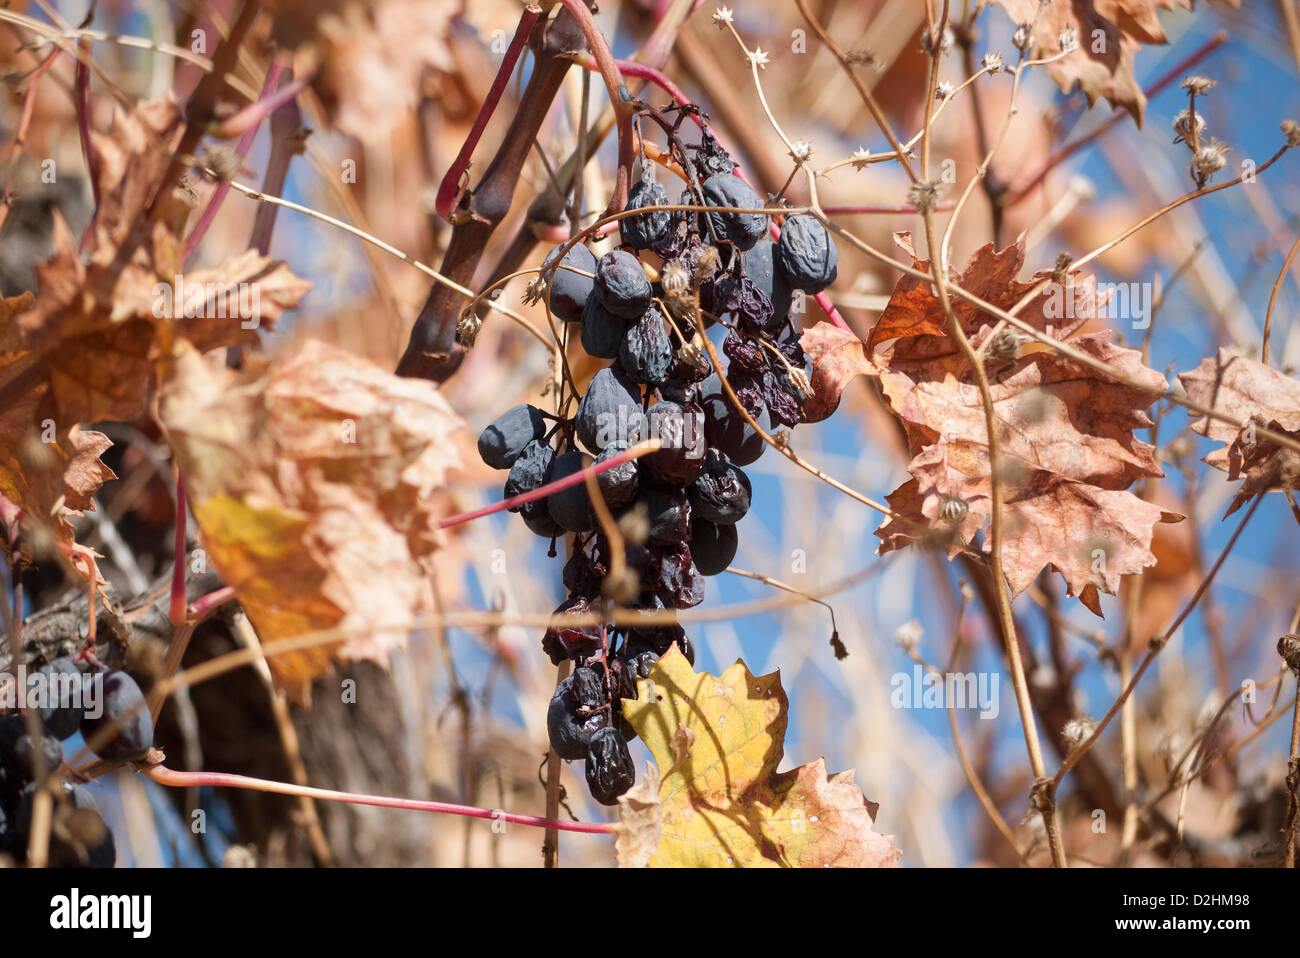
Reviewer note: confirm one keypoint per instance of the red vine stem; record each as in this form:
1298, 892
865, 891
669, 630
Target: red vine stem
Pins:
267, 101
204, 605
174, 779
541, 492
449, 188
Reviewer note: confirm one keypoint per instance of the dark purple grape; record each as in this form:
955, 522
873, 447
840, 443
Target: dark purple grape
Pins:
726, 429
123, 708
610, 771
622, 284
649, 229
760, 265
602, 331
18, 755
681, 430
529, 471
575, 714
617, 485
806, 254
64, 684
669, 512
565, 641
713, 546
610, 411
646, 352
567, 290
571, 507
661, 638
742, 229
721, 493
79, 837
676, 582
504, 439
640, 658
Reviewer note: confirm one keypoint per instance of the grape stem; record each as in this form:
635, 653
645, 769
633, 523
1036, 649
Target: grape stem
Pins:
175, 779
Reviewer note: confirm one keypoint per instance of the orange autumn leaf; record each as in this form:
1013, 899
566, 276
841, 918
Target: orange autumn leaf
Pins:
99, 326
49, 472
1066, 435
312, 481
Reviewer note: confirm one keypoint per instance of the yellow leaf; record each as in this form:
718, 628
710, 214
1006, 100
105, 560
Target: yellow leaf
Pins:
723, 801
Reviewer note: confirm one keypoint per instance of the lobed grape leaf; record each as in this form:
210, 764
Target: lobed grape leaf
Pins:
721, 801
311, 481
51, 472
1109, 34
1259, 395
98, 327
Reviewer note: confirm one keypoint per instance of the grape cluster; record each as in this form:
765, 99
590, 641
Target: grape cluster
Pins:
645, 306
112, 719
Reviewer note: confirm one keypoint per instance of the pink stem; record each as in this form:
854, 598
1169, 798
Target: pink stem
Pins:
206, 604
176, 779
246, 120
640, 71
449, 189
245, 143
542, 492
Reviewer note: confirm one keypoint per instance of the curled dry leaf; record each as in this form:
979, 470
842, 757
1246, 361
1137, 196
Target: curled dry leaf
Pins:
723, 803
98, 327
640, 821
837, 357
1066, 433
1109, 34
51, 473
1259, 396
311, 481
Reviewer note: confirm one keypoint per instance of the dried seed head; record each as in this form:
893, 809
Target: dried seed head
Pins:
224, 163
861, 57
923, 195
1077, 730
782, 439
1069, 40
534, 291
1063, 263
945, 43
634, 525
802, 151
1022, 37
1188, 125
468, 328
992, 62
707, 263
622, 588
943, 90
676, 282
908, 636
860, 157
1004, 347
799, 381
722, 16
694, 356
1198, 85
1289, 648
1291, 130
953, 510
1209, 159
